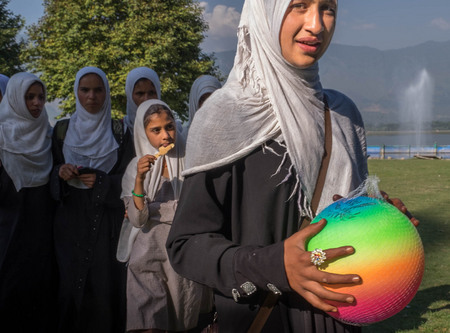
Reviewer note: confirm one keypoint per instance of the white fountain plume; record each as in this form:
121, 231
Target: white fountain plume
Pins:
416, 106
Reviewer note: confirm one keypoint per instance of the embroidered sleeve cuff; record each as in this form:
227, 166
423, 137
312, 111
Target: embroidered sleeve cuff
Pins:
260, 268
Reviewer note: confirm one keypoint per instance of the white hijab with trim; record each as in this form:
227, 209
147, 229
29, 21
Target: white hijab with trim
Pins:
89, 139
202, 85
25, 141
267, 98
133, 76
175, 164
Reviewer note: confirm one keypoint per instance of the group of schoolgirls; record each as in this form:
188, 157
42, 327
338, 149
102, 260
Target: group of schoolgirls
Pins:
86, 207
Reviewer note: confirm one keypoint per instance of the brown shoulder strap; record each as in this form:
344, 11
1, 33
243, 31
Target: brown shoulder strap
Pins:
323, 168
271, 299
325, 162
263, 313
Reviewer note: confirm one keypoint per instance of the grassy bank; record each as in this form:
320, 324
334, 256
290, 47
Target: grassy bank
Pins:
424, 186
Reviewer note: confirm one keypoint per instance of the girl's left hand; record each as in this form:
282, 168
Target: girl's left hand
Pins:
88, 179
394, 201
401, 207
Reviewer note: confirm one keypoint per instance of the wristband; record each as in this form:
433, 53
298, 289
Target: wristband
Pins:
137, 195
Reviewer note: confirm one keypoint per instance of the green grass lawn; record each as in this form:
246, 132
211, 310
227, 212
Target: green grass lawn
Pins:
424, 187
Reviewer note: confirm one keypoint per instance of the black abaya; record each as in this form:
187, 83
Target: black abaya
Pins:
229, 229
28, 278
87, 226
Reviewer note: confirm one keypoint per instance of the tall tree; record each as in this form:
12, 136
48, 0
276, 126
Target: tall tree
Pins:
117, 36
10, 44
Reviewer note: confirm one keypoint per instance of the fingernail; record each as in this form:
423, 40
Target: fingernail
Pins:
356, 279
349, 249
334, 310
350, 299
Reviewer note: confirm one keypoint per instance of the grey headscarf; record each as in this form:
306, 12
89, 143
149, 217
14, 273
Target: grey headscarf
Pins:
267, 98
133, 76
202, 85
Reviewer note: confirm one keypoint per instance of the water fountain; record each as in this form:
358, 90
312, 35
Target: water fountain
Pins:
413, 138
416, 107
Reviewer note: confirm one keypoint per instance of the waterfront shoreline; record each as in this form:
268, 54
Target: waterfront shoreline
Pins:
406, 132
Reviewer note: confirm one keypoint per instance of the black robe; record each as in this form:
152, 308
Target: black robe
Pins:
87, 226
28, 277
229, 229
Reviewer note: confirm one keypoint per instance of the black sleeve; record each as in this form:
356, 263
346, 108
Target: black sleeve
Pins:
58, 187
200, 242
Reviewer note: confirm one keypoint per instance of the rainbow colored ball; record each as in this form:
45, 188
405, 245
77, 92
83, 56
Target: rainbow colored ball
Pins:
388, 256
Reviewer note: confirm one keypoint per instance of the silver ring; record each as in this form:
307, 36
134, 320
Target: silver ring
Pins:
318, 257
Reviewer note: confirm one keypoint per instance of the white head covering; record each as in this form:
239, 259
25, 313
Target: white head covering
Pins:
25, 141
3, 82
174, 158
202, 85
133, 76
175, 164
266, 98
89, 140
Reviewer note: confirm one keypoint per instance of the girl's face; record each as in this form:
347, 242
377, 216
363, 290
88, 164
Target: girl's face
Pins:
35, 99
143, 90
161, 130
91, 93
306, 31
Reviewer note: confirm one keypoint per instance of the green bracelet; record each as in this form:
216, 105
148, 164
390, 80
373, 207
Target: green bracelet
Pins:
137, 195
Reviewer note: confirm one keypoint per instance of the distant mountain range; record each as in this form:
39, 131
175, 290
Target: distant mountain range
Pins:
375, 80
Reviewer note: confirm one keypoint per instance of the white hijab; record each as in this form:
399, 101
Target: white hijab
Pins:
175, 165
133, 76
202, 85
174, 158
25, 141
89, 140
267, 98
3, 82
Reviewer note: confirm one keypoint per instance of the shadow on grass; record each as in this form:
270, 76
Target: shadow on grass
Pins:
413, 315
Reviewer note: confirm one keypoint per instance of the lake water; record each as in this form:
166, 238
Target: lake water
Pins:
406, 145
408, 139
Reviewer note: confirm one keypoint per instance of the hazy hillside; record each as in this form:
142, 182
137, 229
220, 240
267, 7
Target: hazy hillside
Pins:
376, 79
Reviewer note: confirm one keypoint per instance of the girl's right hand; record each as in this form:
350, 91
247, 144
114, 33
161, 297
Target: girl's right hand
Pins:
68, 171
304, 277
144, 165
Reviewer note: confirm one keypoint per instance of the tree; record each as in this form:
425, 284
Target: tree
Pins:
117, 36
10, 46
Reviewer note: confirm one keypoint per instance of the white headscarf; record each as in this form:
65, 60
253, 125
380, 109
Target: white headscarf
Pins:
174, 158
267, 98
175, 164
3, 82
89, 140
202, 85
133, 76
25, 141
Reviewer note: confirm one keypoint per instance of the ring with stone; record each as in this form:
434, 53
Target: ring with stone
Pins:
318, 257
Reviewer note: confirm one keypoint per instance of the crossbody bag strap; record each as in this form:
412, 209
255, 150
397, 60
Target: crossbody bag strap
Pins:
271, 299
323, 167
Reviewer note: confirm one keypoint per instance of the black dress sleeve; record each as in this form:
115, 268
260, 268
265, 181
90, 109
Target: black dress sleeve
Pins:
216, 237
58, 187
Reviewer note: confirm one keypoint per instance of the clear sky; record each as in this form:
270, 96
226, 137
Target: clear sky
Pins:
382, 24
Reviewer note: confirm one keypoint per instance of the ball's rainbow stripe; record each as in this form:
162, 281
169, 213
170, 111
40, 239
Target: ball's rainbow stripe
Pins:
388, 256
